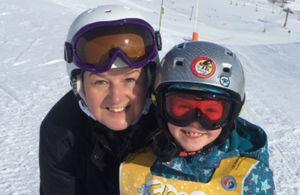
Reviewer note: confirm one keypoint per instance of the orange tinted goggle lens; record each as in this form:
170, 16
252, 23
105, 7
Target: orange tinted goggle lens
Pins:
95, 51
96, 46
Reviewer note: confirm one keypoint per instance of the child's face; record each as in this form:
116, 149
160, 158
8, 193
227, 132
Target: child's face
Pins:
193, 137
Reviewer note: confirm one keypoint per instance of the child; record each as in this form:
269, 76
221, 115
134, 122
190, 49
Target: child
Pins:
204, 147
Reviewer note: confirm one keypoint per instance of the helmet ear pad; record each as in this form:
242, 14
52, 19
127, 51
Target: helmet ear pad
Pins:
160, 141
164, 146
150, 70
77, 83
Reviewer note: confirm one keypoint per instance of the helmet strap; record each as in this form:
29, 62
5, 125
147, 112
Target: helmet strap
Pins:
163, 146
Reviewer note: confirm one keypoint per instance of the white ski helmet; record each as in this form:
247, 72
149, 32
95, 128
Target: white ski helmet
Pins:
113, 19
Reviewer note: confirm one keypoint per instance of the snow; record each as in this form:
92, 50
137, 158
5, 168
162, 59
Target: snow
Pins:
33, 75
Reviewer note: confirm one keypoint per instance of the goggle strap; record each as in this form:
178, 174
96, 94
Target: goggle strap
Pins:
68, 53
158, 40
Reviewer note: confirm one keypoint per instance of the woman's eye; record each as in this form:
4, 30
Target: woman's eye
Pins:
100, 82
129, 80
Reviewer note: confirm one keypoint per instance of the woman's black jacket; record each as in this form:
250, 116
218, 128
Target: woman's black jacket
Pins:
78, 155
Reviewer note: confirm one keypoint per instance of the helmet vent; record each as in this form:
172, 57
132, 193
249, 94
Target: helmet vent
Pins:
107, 11
179, 62
226, 69
228, 52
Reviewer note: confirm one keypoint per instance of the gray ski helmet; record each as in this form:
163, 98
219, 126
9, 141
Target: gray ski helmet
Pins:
197, 65
204, 63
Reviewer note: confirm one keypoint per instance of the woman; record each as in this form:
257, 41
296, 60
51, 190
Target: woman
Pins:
111, 53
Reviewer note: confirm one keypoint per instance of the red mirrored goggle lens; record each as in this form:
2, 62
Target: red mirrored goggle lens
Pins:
179, 106
96, 46
210, 111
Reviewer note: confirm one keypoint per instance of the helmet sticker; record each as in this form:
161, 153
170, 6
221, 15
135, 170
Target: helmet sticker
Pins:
224, 81
203, 67
228, 183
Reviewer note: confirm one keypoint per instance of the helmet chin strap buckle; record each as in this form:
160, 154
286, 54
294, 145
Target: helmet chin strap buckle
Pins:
185, 154
68, 52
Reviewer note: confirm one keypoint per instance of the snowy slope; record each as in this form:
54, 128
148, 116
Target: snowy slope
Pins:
33, 75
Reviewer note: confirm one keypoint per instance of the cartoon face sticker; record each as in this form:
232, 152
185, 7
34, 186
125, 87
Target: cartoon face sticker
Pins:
203, 67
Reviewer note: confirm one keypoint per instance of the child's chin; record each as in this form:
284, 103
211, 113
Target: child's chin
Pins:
192, 148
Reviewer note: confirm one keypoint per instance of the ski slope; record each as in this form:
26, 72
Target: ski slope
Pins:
33, 74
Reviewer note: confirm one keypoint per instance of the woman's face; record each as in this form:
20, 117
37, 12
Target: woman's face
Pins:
115, 97
193, 137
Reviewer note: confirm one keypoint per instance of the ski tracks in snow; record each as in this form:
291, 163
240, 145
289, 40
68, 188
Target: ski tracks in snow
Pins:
21, 116
282, 139
18, 142
283, 134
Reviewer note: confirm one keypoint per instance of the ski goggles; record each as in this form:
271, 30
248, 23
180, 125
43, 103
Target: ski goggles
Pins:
211, 110
96, 46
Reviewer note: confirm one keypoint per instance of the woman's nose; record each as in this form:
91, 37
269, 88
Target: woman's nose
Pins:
116, 94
